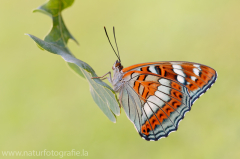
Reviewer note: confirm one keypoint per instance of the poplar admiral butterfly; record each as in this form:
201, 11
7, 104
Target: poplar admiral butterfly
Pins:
156, 95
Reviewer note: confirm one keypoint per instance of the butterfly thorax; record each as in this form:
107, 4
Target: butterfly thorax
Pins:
117, 81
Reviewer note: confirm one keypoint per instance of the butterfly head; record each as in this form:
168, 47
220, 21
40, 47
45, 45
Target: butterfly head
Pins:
117, 65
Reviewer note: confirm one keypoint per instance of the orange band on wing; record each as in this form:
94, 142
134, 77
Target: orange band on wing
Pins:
140, 72
137, 65
137, 84
141, 64
160, 115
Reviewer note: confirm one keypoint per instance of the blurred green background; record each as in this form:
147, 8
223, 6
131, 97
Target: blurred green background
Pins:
44, 105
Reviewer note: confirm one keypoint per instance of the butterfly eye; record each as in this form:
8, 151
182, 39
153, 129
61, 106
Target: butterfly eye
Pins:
117, 64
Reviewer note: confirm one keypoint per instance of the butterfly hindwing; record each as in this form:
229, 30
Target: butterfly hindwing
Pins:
163, 106
131, 105
164, 91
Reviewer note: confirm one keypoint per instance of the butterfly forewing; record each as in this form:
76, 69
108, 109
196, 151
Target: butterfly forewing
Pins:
157, 95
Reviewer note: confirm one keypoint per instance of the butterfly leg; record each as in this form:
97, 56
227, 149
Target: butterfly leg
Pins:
102, 78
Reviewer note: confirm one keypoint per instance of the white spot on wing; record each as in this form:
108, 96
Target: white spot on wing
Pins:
162, 96
164, 89
180, 79
193, 78
152, 69
147, 110
177, 66
198, 66
156, 101
196, 71
179, 72
164, 81
153, 106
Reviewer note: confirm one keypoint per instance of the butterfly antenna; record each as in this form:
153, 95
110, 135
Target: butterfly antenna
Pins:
111, 43
116, 44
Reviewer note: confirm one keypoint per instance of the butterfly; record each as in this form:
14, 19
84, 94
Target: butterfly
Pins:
156, 95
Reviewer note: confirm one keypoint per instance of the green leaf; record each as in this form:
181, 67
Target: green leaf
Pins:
56, 42
59, 33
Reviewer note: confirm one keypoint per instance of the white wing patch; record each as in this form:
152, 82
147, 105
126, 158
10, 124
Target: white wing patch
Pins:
180, 79
162, 96
193, 78
179, 72
198, 66
156, 100
164, 89
152, 69
164, 82
147, 109
177, 66
196, 71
